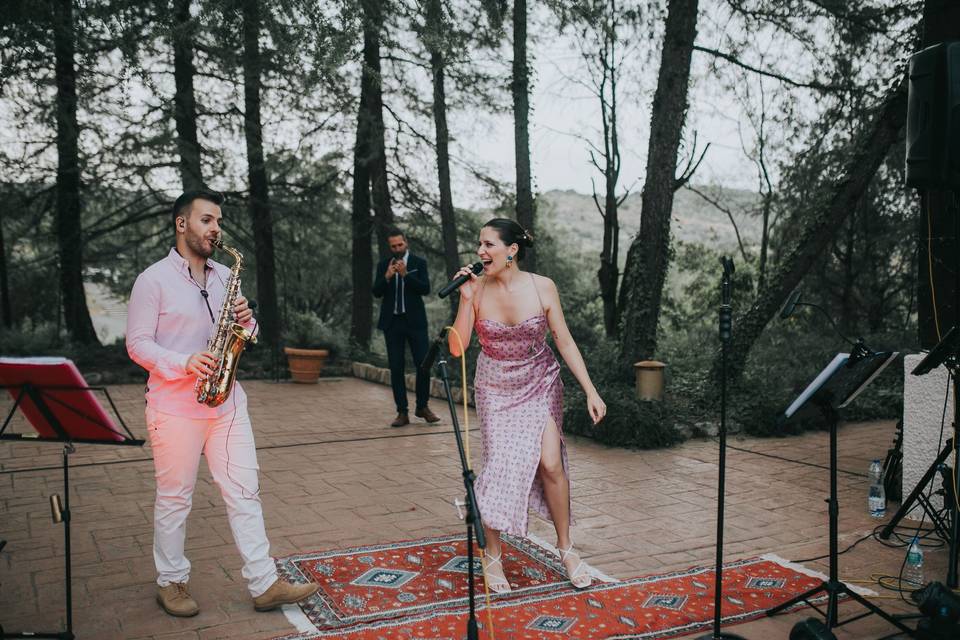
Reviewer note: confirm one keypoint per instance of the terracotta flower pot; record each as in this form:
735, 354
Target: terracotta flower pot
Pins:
305, 364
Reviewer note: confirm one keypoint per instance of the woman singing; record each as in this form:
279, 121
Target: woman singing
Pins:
519, 397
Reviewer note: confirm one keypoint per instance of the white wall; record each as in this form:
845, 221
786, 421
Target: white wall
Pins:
923, 398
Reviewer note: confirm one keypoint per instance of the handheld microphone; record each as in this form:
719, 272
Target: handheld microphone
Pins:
787, 309
458, 282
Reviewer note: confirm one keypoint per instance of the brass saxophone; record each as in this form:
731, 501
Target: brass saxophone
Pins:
227, 342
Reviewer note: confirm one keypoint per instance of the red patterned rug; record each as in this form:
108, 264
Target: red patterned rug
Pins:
417, 589
409, 578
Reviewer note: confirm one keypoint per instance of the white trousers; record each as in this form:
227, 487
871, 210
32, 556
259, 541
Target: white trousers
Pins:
228, 445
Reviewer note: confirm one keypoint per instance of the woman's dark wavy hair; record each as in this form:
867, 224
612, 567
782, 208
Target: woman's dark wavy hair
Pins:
511, 232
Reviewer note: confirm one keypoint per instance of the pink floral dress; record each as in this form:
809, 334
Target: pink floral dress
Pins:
518, 387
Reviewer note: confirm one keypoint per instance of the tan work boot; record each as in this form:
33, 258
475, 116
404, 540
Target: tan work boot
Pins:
283, 592
427, 415
176, 600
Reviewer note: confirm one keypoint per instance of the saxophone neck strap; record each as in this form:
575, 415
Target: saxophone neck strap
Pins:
206, 299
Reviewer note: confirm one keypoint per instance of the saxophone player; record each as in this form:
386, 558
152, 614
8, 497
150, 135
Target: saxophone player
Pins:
170, 317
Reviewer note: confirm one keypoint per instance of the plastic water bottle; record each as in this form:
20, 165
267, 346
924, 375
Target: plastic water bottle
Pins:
876, 497
913, 571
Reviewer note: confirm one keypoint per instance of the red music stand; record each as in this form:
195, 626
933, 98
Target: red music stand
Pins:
62, 408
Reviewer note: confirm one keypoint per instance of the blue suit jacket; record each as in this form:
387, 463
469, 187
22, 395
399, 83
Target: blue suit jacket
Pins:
416, 285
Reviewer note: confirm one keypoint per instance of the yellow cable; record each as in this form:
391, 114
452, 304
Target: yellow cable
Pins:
466, 440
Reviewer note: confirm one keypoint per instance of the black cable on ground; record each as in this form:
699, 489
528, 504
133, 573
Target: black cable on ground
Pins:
261, 448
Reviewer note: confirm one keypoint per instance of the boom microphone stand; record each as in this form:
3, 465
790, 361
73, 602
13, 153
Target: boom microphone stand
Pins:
726, 323
472, 515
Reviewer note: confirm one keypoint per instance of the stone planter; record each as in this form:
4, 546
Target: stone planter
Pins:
305, 364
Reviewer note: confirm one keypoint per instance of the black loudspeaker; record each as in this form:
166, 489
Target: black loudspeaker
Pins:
811, 629
933, 118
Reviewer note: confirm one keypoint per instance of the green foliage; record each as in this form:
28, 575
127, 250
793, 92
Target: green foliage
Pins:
629, 422
31, 338
107, 364
784, 359
305, 330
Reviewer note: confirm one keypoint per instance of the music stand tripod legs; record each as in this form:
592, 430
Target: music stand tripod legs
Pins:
917, 496
833, 587
61, 513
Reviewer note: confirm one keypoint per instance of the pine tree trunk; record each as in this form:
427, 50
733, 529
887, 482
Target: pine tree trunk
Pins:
361, 263
362, 223
448, 223
4, 281
68, 224
608, 275
184, 102
261, 217
520, 88
649, 254
380, 187
764, 241
822, 220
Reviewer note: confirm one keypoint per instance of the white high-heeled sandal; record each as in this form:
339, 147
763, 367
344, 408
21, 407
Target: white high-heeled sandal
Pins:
580, 577
497, 584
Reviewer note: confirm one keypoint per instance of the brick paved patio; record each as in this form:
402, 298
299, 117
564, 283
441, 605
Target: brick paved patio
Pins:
334, 475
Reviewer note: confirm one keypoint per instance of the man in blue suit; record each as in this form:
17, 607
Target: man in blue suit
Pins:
401, 282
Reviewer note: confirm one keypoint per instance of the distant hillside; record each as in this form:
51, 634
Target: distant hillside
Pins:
694, 219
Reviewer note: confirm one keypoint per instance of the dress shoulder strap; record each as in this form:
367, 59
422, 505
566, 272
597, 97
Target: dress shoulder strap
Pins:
476, 308
539, 299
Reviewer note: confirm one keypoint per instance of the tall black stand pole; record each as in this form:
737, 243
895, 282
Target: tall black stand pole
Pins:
726, 324
954, 542
472, 518
952, 366
65, 514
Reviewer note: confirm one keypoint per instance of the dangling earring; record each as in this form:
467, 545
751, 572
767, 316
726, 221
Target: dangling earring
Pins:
509, 261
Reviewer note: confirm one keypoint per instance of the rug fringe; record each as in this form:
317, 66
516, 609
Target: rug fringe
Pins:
298, 619
799, 568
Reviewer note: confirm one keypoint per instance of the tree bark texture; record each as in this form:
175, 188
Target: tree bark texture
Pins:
4, 281
260, 214
69, 226
184, 101
362, 222
609, 273
448, 223
380, 187
648, 257
822, 221
520, 88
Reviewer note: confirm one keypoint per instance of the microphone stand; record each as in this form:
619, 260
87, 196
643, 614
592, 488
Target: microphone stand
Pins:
726, 323
472, 515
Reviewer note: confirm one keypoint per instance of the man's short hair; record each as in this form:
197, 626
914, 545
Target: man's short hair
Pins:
181, 206
395, 231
